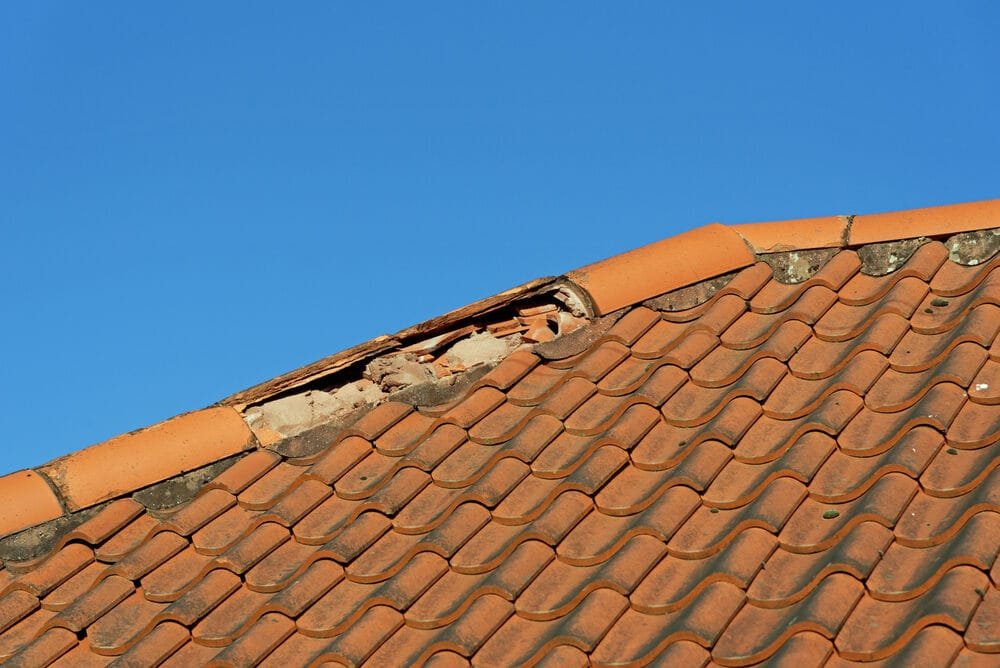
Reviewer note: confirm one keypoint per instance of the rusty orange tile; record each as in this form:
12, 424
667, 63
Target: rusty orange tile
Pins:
775, 296
403, 436
955, 472
724, 365
666, 445
769, 438
637, 637
821, 359
161, 642
99, 600
985, 387
675, 581
190, 654
521, 641
411, 646
269, 488
897, 390
378, 420
877, 629
27, 500
393, 550
129, 462
632, 325
280, 567
843, 321
168, 580
314, 582
739, 483
512, 369
224, 531
975, 425
789, 576
917, 352
707, 532
870, 432
245, 472
845, 477
230, 619
923, 264
561, 587
937, 314
907, 572
637, 275
954, 279
123, 625
264, 636
495, 541
818, 526
756, 633
800, 234
107, 522
929, 520
22, 633
54, 570
693, 405
46, 648
16, 605
200, 511
752, 329
634, 489
454, 592
70, 590
348, 601
598, 537
984, 630
148, 555
201, 599
339, 459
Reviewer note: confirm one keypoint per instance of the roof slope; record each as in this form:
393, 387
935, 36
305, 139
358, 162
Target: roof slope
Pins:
692, 462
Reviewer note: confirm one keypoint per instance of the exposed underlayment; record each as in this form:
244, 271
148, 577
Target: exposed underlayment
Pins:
427, 371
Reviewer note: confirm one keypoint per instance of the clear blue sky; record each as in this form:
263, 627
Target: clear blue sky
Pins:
195, 197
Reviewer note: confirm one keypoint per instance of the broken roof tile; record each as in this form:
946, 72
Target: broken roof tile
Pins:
725, 469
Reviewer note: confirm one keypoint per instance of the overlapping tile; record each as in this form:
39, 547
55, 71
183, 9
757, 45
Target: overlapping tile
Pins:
788, 473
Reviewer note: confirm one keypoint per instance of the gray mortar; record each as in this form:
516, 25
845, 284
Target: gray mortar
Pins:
691, 296
798, 266
885, 258
177, 490
972, 248
41, 539
393, 372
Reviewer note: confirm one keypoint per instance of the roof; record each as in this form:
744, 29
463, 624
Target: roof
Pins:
769, 442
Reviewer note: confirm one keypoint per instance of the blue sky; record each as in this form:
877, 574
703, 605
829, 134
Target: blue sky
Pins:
197, 197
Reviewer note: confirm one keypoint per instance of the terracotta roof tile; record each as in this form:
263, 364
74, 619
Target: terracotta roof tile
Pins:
934, 221
741, 470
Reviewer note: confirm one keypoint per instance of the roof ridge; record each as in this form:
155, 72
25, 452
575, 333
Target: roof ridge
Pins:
715, 249
133, 461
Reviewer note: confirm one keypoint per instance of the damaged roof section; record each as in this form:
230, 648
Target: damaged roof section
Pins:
429, 371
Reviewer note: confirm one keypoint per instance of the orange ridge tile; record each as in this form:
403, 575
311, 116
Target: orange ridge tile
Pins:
129, 462
27, 500
662, 266
927, 222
